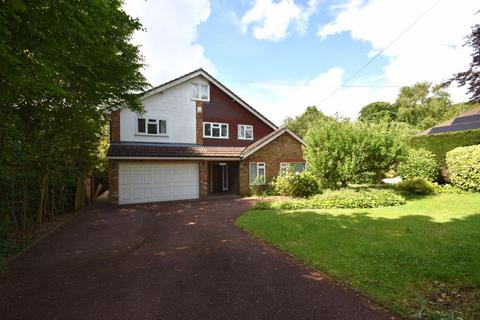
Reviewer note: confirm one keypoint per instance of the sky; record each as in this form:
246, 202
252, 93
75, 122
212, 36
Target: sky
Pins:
281, 56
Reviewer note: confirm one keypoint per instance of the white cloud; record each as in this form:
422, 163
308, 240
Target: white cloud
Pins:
168, 42
272, 20
432, 50
279, 100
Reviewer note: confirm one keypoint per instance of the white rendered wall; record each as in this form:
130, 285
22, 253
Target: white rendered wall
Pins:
175, 105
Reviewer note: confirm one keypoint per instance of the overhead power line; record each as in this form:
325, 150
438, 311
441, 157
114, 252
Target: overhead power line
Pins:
343, 85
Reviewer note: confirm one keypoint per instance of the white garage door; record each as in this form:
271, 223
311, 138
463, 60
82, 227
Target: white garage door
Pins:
157, 182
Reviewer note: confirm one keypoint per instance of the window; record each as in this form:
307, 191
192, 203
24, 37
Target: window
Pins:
201, 92
245, 132
215, 130
257, 173
295, 167
151, 126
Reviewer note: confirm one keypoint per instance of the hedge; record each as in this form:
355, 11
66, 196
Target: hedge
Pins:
464, 167
343, 198
440, 144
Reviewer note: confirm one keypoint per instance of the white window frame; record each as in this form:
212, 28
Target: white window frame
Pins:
259, 166
245, 127
219, 125
157, 121
200, 86
284, 166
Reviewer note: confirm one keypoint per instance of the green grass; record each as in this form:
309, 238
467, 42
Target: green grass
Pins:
421, 259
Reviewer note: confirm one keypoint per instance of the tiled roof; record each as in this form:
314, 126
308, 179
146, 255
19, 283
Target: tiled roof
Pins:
138, 149
468, 120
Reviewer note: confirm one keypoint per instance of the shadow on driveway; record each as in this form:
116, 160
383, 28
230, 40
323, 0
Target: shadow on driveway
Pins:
182, 260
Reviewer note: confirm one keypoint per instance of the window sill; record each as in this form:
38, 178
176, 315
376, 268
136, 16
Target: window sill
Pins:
224, 138
203, 100
249, 139
151, 135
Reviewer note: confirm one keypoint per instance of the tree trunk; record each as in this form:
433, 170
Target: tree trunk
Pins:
80, 194
14, 215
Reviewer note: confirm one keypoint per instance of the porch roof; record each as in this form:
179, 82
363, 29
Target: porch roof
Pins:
139, 149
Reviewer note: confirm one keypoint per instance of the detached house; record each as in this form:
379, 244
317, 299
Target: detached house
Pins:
196, 138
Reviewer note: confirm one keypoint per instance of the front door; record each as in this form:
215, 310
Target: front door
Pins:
219, 177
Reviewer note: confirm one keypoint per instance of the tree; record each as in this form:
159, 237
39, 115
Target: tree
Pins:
303, 122
342, 152
423, 105
471, 77
62, 63
379, 112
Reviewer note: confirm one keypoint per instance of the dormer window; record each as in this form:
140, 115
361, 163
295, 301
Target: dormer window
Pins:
201, 92
151, 126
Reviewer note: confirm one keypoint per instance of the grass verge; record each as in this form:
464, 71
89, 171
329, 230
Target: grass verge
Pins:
421, 259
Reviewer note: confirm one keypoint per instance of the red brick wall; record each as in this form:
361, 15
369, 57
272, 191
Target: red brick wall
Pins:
222, 108
199, 121
115, 126
283, 149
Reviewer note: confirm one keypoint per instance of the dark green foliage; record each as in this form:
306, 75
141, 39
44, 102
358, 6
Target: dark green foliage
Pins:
303, 184
464, 167
341, 152
305, 121
448, 189
344, 198
379, 112
440, 144
62, 64
260, 189
419, 163
471, 77
417, 185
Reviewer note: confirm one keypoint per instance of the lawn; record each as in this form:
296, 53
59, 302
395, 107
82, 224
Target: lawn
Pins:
421, 260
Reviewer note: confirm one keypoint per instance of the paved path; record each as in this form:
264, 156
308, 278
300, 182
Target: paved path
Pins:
167, 261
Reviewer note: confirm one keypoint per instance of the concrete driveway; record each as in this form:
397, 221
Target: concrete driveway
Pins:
184, 260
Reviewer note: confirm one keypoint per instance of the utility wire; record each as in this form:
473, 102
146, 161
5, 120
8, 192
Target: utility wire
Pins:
343, 85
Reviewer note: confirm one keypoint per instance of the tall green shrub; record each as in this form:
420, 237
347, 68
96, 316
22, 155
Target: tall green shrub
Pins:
419, 163
341, 152
464, 167
297, 185
440, 144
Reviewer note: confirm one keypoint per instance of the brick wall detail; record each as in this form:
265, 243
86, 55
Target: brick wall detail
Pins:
203, 179
285, 148
115, 126
199, 121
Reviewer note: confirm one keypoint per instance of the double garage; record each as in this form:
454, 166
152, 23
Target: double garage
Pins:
147, 182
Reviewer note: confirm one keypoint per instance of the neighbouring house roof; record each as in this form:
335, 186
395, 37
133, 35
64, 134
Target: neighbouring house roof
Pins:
206, 75
138, 150
468, 120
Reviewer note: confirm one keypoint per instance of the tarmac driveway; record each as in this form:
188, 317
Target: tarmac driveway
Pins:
184, 260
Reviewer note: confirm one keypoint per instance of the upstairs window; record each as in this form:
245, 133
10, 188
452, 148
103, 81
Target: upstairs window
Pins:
151, 126
201, 92
215, 130
245, 132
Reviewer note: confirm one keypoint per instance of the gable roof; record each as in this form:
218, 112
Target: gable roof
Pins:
206, 75
257, 145
468, 120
